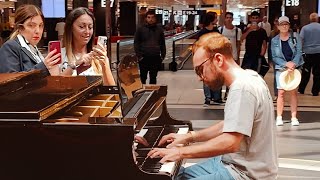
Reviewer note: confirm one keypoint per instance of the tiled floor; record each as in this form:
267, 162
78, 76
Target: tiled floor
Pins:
299, 147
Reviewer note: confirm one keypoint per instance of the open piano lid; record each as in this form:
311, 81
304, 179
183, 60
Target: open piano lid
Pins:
30, 96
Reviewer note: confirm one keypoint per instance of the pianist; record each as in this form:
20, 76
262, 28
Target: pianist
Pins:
243, 146
20, 52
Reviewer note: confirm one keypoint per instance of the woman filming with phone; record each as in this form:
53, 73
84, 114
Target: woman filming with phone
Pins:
20, 53
79, 55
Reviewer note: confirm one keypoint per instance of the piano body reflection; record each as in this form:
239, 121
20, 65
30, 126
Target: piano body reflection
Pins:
76, 128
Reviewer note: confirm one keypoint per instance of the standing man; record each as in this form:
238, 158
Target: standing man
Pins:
60, 28
233, 34
243, 145
310, 35
256, 43
150, 48
265, 25
210, 25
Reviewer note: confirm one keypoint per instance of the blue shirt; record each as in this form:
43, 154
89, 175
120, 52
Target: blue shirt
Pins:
310, 35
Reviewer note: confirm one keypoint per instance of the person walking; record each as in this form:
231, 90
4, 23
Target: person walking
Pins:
150, 48
310, 37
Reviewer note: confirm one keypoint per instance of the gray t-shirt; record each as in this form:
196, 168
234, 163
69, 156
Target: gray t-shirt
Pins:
249, 111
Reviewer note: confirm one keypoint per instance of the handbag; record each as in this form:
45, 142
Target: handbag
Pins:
263, 66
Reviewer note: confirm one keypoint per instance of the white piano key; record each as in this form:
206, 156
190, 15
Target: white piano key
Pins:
183, 130
142, 132
168, 167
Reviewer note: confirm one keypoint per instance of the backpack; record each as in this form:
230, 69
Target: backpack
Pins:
236, 32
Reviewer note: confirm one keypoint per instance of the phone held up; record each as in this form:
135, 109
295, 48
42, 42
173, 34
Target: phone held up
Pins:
103, 41
55, 45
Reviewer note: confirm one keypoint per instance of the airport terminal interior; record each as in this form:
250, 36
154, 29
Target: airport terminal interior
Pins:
298, 146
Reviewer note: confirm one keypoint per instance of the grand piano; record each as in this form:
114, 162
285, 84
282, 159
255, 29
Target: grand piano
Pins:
75, 128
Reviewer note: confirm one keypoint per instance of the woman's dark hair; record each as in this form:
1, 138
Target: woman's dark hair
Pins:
67, 36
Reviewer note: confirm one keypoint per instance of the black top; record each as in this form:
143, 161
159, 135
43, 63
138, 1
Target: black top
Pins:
286, 50
150, 41
205, 31
254, 41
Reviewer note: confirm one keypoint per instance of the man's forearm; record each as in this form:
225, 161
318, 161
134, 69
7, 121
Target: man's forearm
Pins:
223, 144
209, 133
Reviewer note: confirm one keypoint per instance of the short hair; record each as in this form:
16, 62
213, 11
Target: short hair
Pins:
228, 13
150, 12
22, 14
209, 17
314, 17
214, 43
68, 37
255, 13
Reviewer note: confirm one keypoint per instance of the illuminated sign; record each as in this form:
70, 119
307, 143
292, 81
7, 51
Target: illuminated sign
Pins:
292, 2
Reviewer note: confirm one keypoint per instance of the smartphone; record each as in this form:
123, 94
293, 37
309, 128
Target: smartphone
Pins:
103, 40
55, 45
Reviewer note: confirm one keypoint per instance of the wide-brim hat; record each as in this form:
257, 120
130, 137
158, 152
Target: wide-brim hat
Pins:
290, 80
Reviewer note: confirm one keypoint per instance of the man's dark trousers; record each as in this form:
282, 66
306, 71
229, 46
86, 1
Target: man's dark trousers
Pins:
151, 64
312, 62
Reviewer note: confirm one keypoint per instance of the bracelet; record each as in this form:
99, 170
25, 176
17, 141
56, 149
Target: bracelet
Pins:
73, 67
193, 134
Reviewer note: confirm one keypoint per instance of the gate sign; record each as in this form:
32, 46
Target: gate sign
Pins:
186, 12
292, 2
159, 11
104, 3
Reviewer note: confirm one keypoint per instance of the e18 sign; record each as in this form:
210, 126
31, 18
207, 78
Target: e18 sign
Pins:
292, 2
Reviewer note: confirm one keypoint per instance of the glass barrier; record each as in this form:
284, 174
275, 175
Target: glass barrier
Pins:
177, 47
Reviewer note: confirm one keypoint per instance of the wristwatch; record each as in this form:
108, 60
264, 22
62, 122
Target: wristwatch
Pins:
72, 66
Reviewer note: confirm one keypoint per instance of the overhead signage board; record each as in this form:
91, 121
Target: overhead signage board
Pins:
186, 12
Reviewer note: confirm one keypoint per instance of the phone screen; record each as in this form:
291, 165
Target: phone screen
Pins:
103, 40
55, 45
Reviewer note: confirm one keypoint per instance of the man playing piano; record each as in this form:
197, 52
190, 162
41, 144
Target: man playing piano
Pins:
243, 146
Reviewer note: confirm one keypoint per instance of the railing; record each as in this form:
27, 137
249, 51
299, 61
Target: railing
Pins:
126, 46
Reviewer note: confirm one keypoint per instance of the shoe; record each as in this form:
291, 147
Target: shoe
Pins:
218, 102
300, 92
275, 99
294, 122
279, 121
315, 94
206, 103
225, 96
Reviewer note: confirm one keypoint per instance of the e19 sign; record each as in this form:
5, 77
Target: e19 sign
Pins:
292, 2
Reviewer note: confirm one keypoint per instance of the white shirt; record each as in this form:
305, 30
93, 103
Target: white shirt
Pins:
60, 28
64, 63
266, 26
231, 35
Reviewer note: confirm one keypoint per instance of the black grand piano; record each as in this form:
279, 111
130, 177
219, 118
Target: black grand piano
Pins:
76, 128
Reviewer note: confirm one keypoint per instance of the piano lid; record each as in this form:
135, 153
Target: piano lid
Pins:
35, 98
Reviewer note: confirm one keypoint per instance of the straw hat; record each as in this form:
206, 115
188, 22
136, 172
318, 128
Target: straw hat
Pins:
289, 80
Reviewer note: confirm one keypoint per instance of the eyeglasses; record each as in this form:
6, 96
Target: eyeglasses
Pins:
284, 25
199, 69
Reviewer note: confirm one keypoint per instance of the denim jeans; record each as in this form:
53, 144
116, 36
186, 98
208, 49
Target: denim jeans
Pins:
211, 95
211, 169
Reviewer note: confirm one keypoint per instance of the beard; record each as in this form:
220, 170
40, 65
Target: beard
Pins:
216, 83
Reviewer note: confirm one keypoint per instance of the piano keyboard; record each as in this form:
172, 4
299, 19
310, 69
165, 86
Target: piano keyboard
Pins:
153, 165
